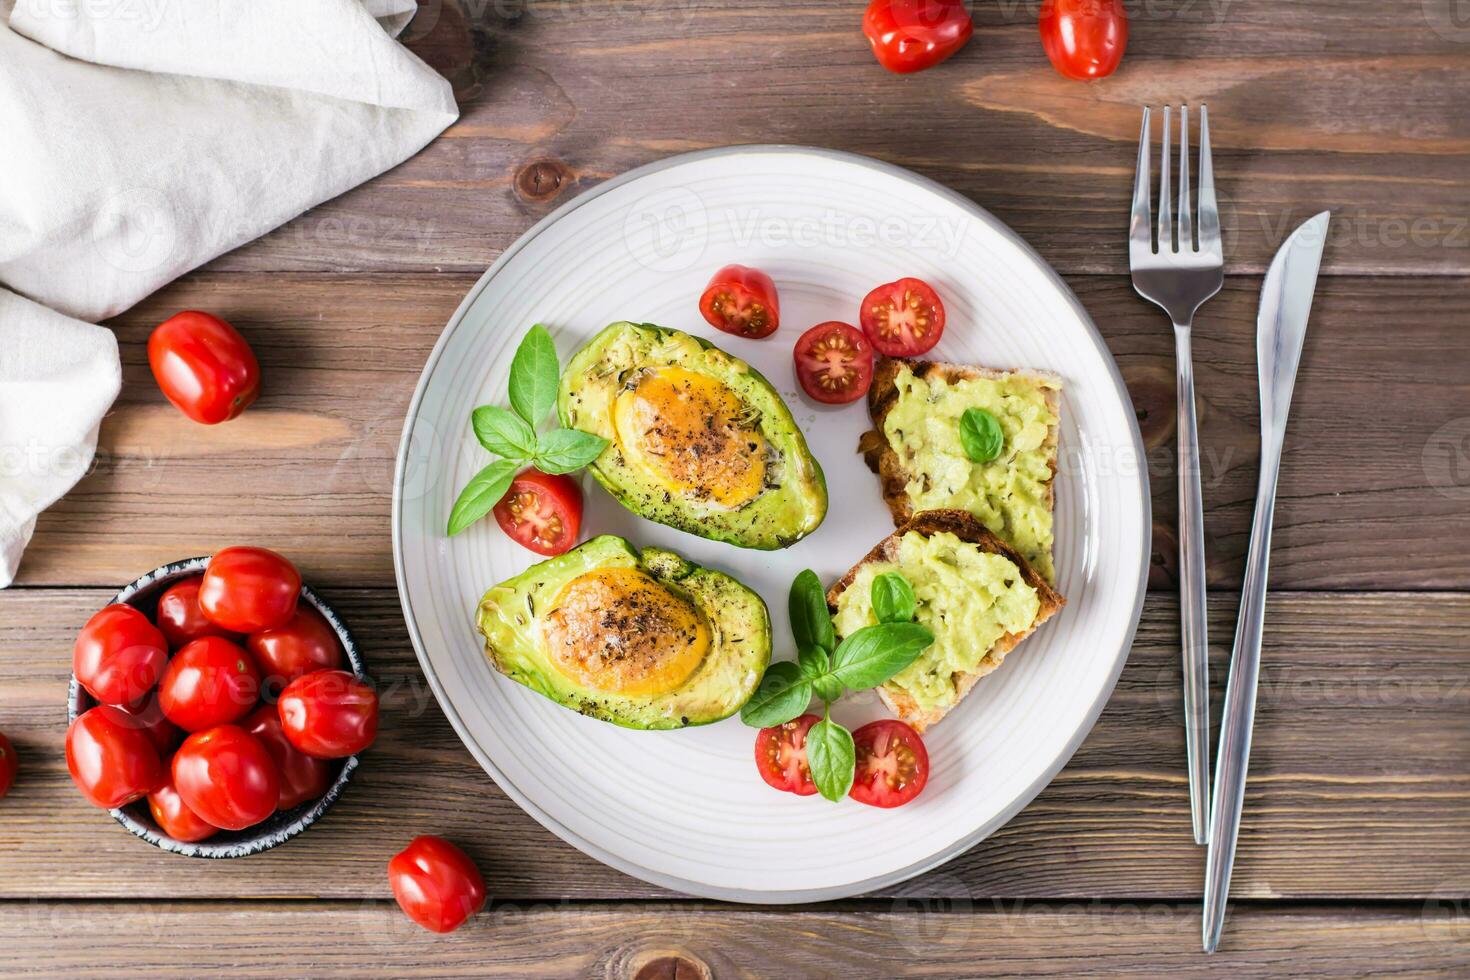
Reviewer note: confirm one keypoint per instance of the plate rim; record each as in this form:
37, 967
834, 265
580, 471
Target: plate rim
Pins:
674, 882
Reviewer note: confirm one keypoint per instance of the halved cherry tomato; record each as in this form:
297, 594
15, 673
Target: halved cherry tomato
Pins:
119, 655
903, 318
306, 642
175, 818
9, 765
542, 511
1084, 39
329, 714
742, 301
302, 777
210, 682
203, 366
911, 35
227, 777
249, 589
780, 755
112, 760
892, 764
179, 617
148, 715
436, 884
834, 363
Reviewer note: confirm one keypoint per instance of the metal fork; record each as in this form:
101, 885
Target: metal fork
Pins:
1179, 275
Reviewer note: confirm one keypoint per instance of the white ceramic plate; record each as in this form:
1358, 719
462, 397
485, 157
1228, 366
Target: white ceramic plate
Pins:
686, 809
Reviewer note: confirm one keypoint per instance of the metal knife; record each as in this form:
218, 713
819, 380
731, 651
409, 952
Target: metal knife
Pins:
1281, 325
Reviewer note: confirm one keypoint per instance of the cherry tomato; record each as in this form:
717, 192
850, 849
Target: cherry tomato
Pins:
329, 714
892, 764
203, 366
210, 682
903, 318
9, 765
249, 589
541, 511
1084, 38
111, 759
911, 35
227, 777
742, 301
304, 643
302, 777
119, 655
179, 617
780, 755
834, 363
148, 716
436, 884
175, 818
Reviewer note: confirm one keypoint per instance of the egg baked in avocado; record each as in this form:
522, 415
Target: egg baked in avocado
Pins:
697, 438
642, 639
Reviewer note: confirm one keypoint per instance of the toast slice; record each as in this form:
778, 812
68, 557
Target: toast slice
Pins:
964, 526
893, 473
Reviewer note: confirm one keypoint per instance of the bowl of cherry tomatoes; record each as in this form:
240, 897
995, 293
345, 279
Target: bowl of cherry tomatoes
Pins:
217, 705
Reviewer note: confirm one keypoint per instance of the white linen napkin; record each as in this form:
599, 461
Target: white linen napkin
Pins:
141, 138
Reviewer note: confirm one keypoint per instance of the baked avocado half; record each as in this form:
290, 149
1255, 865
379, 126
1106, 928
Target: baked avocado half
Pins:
697, 438
642, 639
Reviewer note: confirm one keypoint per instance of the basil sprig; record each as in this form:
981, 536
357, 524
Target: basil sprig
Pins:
981, 435
511, 433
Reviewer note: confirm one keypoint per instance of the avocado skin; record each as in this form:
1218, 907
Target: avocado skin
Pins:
777, 519
740, 632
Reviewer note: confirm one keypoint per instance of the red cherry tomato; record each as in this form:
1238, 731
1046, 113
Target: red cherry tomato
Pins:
227, 777
892, 764
304, 643
780, 755
834, 363
210, 682
148, 716
911, 35
249, 589
203, 366
175, 818
111, 759
302, 777
436, 884
329, 714
542, 511
742, 301
179, 617
119, 655
1084, 39
9, 765
903, 318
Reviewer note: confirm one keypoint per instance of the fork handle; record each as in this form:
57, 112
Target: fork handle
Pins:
1193, 630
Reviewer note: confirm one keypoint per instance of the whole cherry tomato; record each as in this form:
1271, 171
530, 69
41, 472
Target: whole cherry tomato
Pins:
175, 818
541, 511
903, 318
1084, 39
249, 589
911, 35
9, 765
742, 301
111, 759
119, 655
304, 643
227, 777
834, 363
203, 366
329, 714
179, 617
302, 777
436, 884
148, 715
210, 682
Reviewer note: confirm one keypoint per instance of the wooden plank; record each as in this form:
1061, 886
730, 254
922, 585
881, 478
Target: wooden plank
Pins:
1358, 776
1373, 487
597, 87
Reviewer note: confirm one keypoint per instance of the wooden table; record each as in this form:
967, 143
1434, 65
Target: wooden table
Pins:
1355, 849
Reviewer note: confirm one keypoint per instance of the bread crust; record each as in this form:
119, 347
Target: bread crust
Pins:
964, 526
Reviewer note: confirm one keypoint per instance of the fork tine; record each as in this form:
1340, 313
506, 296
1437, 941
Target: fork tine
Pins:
1209, 213
1185, 234
1140, 220
1166, 220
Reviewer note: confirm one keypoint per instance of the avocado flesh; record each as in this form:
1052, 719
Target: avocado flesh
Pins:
514, 619
792, 499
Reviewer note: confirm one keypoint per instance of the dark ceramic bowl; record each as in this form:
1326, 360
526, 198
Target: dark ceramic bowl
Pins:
280, 826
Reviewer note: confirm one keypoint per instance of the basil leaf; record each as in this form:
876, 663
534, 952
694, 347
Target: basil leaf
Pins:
893, 598
503, 432
813, 662
567, 450
534, 373
481, 494
810, 620
873, 654
831, 757
782, 695
981, 435
827, 687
